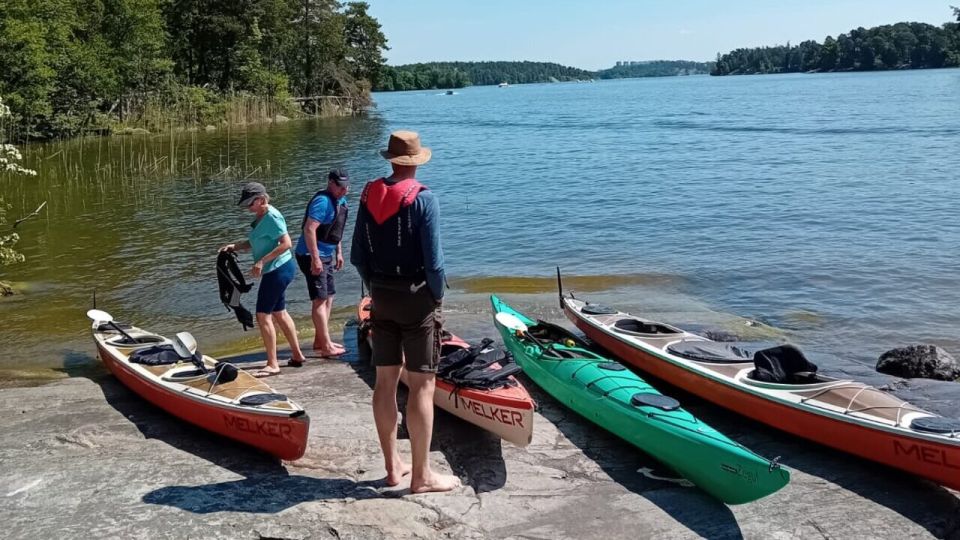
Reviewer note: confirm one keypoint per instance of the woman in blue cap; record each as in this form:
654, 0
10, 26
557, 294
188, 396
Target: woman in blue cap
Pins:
274, 265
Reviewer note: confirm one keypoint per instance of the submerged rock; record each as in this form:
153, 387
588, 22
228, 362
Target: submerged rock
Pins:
923, 361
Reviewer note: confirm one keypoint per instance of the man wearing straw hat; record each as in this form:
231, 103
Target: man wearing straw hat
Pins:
396, 249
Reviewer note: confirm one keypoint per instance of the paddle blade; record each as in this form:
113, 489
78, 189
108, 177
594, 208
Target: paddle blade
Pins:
510, 322
185, 344
99, 316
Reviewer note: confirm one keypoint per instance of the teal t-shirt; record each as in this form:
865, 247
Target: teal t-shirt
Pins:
265, 234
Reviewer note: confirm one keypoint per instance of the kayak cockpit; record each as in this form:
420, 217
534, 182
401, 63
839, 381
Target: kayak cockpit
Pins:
638, 327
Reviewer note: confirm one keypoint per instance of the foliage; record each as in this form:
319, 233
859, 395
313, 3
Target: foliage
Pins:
9, 164
460, 74
656, 68
898, 46
70, 66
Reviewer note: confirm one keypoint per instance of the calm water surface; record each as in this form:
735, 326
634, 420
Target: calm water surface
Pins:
822, 206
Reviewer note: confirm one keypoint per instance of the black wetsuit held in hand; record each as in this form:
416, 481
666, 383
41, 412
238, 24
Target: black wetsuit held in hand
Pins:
232, 284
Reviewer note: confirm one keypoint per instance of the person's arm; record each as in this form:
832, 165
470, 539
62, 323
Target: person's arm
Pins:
283, 245
430, 244
242, 245
338, 261
310, 238
358, 249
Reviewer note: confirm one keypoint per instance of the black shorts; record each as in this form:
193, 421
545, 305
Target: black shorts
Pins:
406, 329
320, 287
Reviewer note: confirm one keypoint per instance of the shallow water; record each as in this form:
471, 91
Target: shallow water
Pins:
821, 206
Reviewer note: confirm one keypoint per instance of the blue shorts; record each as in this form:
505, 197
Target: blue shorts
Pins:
271, 296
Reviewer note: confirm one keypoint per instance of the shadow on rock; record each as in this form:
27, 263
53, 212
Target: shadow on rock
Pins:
635, 471
267, 487
475, 455
259, 494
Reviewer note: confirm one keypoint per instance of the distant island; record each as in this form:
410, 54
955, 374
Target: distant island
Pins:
906, 45
443, 75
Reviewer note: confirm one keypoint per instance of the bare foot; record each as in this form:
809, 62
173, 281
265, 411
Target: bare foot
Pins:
328, 352
436, 483
395, 476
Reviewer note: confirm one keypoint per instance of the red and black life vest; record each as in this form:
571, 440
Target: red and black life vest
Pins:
392, 238
328, 233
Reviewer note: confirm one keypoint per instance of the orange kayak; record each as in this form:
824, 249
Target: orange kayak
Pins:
232, 403
505, 411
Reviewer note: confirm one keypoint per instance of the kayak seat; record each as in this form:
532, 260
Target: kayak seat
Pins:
262, 399
649, 399
185, 374
137, 340
636, 326
783, 364
711, 351
936, 424
158, 355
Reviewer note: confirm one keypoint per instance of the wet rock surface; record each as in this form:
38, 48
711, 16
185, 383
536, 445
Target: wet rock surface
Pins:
919, 361
85, 457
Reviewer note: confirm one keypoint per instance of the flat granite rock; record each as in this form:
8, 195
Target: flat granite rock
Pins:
86, 458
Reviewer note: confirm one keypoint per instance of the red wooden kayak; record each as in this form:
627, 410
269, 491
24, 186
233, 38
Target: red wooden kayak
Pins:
245, 408
506, 411
844, 414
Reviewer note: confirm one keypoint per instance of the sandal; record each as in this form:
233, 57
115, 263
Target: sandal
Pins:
295, 363
264, 373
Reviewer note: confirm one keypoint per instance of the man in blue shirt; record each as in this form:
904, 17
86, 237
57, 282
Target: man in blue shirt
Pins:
319, 253
396, 249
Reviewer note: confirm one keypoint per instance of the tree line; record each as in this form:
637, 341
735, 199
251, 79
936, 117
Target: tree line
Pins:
440, 75
898, 46
67, 65
656, 68
460, 74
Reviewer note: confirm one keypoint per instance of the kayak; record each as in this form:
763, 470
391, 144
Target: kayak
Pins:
504, 409
843, 414
618, 400
215, 396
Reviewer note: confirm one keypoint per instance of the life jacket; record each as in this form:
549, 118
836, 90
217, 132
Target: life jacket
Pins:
391, 237
328, 233
232, 284
473, 367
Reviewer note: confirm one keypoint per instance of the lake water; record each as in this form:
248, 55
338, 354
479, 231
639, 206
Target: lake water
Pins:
823, 206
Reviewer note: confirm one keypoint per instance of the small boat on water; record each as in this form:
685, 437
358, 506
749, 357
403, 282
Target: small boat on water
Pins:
216, 396
473, 386
449, 93
618, 400
779, 387
503, 85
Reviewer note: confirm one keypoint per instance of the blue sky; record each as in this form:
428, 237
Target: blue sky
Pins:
595, 34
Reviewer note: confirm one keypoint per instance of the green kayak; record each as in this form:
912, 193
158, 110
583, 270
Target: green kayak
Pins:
619, 401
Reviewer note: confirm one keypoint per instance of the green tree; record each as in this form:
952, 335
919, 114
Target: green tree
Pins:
365, 43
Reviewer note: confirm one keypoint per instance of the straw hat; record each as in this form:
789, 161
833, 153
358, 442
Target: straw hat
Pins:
404, 149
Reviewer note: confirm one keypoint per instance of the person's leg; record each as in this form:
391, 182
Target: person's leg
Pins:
420, 427
278, 311
421, 350
328, 312
385, 417
289, 329
322, 306
267, 296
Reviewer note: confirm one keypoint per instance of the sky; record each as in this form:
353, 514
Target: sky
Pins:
594, 34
